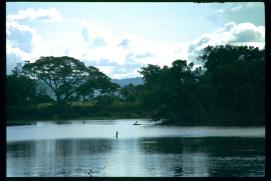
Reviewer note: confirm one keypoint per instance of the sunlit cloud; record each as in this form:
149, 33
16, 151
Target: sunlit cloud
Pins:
18, 43
106, 69
232, 33
238, 12
34, 14
118, 56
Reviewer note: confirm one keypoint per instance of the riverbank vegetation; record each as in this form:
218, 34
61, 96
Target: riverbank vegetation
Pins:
227, 89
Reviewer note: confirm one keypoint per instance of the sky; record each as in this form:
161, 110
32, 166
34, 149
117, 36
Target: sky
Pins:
120, 38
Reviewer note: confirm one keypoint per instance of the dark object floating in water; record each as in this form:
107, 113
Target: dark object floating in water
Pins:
89, 173
136, 123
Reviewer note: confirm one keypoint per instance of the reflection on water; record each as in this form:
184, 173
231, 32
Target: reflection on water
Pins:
106, 129
55, 157
210, 156
131, 155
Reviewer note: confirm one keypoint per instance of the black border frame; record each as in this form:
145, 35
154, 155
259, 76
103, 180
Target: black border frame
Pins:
267, 95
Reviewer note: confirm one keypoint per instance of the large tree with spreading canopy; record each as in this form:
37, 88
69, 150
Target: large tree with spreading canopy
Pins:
65, 76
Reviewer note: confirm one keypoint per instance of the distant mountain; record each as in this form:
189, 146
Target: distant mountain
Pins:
43, 87
124, 82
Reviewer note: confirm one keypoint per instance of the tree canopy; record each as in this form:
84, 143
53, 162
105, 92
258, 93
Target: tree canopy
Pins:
21, 90
65, 76
230, 87
227, 89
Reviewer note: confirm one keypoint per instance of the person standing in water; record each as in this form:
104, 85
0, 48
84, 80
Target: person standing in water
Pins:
117, 133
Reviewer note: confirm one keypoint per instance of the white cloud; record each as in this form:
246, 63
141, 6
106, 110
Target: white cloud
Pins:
108, 46
220, 11
17, 47
238, 12
117, 49
234, 7
135, 50
228, 26
23, 40
11, 25
108, 70
130, 74
124, 54
16, 51
236, 34
92, 31
237, 8
32, 14
248, 32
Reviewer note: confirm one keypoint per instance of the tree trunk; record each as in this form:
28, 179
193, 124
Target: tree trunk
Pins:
58, 100
84, 100
252, 102
201, 108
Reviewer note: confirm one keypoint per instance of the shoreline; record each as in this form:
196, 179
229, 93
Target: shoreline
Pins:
30, 122
80, 118
20, 122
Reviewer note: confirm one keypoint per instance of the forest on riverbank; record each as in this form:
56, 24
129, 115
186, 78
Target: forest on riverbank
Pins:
227, 90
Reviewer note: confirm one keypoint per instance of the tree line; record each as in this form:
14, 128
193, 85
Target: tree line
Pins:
228, 89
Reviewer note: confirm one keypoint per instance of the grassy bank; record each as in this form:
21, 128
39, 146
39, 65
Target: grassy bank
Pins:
49, 112
63, 121
90, 111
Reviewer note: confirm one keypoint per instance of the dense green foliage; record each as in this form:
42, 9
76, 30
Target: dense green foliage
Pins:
67, 76
77, 91
227, 90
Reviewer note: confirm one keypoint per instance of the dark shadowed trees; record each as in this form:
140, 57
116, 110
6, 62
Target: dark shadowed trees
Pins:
168, 90
65, 76
228, 90
98, 83
237, 74
21, 90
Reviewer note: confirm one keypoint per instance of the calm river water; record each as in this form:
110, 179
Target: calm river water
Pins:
89, 148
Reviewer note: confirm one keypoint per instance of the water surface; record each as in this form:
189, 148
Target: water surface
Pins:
89, 148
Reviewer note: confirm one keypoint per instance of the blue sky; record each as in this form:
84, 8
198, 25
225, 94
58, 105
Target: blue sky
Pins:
119, 38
